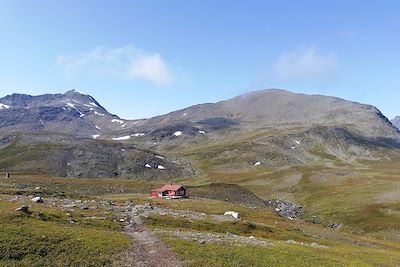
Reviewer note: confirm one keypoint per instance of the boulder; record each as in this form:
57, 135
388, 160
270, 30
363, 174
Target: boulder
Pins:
37, 200
234, 214
23, 209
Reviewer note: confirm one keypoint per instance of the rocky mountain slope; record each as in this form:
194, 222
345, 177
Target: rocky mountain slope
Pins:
72, 113
396, 121
71, 134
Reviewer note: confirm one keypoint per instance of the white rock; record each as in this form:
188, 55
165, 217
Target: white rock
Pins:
160, 167
234, 214
97, 127
37, 200
95, 136
257, 163
297, 142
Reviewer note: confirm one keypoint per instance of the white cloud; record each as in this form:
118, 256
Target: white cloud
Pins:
305, 64
127, 62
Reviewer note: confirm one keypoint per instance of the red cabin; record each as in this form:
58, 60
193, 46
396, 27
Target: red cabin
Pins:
169, 191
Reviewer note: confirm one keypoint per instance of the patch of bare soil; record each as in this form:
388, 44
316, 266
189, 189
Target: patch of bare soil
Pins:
148, 249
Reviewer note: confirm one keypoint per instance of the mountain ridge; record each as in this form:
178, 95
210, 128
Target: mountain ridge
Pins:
65, 134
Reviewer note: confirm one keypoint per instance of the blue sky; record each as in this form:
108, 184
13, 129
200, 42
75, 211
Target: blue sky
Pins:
144, 58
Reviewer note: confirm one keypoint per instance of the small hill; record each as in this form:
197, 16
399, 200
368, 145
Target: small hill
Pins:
232, 193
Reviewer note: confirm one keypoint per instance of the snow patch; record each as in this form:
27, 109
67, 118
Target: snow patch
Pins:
123, 125
184, 114
82, 93
147, 166
160, 167
41, 122
159, 157
100, 114
97, 127
70, 105
297, 142
257, 163
121, 138
119, 121
4, 106
93, 104
138, 134
177, 133
202, 132
95, 136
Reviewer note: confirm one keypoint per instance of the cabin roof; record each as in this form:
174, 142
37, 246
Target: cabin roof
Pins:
169, 187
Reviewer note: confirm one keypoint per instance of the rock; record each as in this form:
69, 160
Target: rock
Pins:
234, 214
41, 216
37, 200
335, 225
200, 241
230, 234
23, 209
285, 208
315, 220
38, 188
14, 199
252, 237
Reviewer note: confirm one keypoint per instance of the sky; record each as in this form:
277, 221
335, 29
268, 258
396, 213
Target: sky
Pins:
145, 58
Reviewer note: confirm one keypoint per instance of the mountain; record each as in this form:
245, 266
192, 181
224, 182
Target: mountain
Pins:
71, 134
72, 113
396, 122
279, 109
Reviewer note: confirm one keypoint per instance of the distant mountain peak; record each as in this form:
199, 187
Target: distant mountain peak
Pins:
396, 122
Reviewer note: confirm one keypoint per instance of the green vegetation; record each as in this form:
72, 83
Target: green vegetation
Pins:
46, 237
194, 254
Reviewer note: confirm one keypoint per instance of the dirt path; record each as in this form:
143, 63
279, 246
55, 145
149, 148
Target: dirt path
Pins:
148, 250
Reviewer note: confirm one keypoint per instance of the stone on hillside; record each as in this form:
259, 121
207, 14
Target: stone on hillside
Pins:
23, 209
234, 214
37, 200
